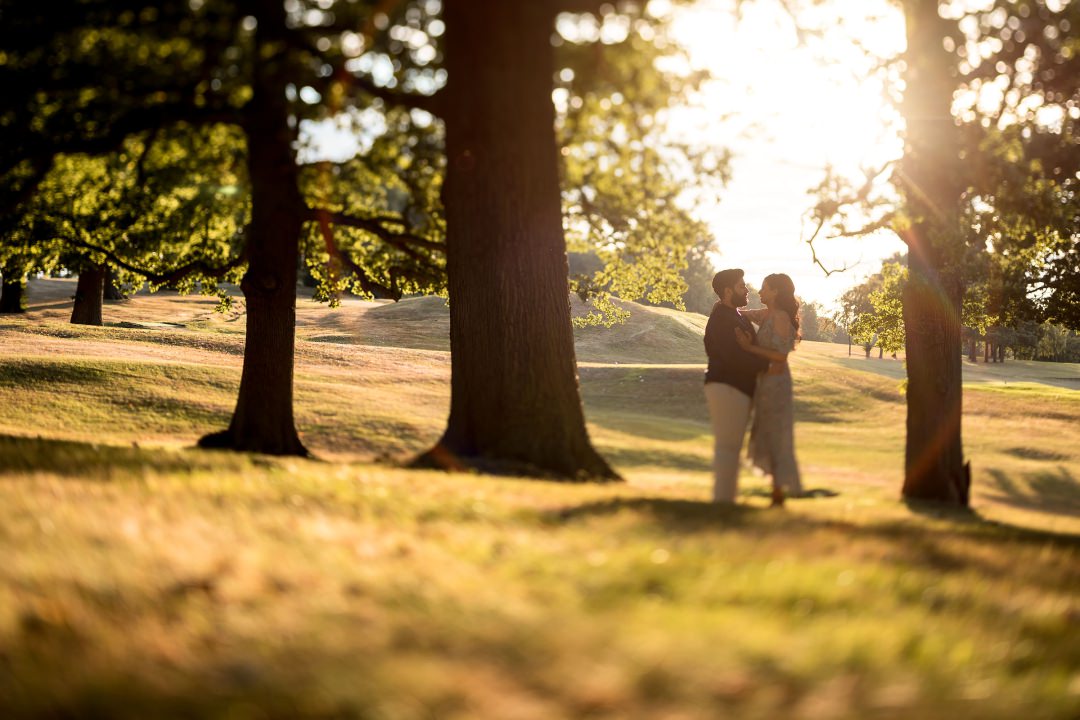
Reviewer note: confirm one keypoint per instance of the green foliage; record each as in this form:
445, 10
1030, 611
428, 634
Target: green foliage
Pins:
1027, 212
167, 200
626, 185
393, 187
1058, 344
810, 322
1014, 247
381, 229
888, 307
148, 75
855, 303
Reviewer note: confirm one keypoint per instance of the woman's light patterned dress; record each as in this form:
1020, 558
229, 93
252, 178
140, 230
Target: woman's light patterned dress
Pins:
772, 435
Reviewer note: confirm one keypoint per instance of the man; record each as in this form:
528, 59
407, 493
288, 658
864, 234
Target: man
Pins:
729, 381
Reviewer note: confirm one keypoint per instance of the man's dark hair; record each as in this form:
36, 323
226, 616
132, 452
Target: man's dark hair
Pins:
726, 279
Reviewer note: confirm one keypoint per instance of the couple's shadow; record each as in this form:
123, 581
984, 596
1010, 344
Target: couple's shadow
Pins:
809, 494
685, 515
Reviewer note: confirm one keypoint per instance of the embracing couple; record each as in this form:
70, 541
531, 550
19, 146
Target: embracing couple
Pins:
748, 375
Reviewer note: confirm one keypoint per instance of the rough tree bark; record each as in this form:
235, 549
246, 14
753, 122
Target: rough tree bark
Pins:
88, 296
934, 467
13, 291
515, 404
263, 419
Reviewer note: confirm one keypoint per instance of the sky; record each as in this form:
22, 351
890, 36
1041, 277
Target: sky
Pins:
794, 114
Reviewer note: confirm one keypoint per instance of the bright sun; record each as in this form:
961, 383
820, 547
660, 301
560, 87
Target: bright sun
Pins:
794, 109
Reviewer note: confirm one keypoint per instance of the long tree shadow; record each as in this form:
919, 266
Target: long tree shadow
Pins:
1056, 491
99, 462
912, 541
57, 305
19, 455
639, 457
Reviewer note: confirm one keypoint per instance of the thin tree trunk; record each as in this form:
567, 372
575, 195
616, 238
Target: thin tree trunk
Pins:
12, 292
973, 350
1000, 352
88, 296
933, 460
263, 419
987, 352
515, 404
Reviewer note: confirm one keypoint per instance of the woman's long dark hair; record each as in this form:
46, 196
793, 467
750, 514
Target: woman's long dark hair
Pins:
785, 297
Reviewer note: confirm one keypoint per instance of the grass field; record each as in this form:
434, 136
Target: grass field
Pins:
142, 578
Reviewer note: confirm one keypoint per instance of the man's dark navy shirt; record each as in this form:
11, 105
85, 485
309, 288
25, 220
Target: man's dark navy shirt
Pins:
729, 363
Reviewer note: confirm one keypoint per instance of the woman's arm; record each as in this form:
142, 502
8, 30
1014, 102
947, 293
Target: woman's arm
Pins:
755, 316
772, 356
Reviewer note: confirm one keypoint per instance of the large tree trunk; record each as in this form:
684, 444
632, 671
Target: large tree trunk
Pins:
515, 404
88, 295
12, 292
934, 460
263, 419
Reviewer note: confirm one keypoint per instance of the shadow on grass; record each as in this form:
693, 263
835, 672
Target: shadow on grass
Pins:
60, 305
688, 516
90, 461
179, 336
808, 494
919, 540
629, 458
33, 373
1056, 491
77, 684
1029, 453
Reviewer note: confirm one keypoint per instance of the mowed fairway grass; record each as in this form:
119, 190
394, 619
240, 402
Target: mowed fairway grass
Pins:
141, 578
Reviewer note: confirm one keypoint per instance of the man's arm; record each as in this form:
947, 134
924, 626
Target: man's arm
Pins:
721, 345
719, 338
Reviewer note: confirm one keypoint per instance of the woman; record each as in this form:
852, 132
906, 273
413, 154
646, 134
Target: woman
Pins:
772, 437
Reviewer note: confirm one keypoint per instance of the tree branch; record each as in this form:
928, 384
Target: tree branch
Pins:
433, 103
403, 241
882, 222
196, 266
813, 251
368, 284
